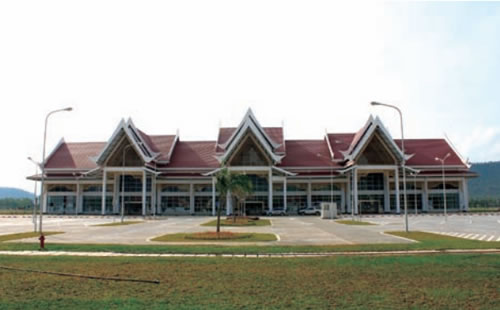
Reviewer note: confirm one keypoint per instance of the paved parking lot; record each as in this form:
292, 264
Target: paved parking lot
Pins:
291, 230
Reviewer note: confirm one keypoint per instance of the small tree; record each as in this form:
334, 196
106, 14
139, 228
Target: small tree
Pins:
243, 188
228, 182
225, 184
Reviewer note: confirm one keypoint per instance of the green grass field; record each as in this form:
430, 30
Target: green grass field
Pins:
238, 222
427, 241
351, 222
25, 235
413, 282
236, 237
120, 223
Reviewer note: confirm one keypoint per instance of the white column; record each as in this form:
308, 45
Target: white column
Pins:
191, 198
355, 190
348, 193
153, 194
425, 196
103, 200
465, 189
270, 196
144, 187
78, 206
387, 193
309, 193
396, 187
213, 196
284, 194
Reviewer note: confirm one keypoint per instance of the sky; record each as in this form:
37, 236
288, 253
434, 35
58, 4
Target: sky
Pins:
193, 66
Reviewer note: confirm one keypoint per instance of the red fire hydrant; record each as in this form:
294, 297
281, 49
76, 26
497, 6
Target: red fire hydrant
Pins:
42, 242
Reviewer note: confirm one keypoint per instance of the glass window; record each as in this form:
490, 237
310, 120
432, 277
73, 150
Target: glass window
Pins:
202, 188
92, 205
176, 188
97, 188
295, 202
371, 181
203, 205
61, 204
259, 183
174, 205
296, 187
371, 203
436, 201
439, 185
62, 188
320, 187
249, 155
278, 203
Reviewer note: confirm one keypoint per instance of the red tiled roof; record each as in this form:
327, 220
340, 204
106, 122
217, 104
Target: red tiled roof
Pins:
162, 145
274, 133
75, 155
340, 142
159, 144
194, 154
307, 153
426, 150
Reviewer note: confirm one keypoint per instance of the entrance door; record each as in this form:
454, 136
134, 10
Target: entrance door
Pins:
254, 207
370, 206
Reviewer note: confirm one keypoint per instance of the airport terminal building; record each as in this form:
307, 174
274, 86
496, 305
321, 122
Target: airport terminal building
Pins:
164, 175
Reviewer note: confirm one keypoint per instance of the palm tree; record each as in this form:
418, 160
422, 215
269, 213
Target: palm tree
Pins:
242, 190
228, 182
224, 185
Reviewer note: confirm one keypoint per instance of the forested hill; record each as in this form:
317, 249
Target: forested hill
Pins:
9, 192
487, 185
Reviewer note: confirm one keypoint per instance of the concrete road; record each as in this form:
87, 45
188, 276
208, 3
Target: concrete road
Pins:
293, 230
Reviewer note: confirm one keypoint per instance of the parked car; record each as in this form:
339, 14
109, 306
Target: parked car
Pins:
276, 212
312, 210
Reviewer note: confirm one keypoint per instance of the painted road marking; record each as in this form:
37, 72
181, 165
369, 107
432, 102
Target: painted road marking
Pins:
484, 236
498, 239
468, 236
490, 238
461, 235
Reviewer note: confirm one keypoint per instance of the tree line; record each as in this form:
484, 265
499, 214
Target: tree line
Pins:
16, 203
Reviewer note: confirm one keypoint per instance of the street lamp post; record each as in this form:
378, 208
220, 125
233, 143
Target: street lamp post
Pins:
42, 195
122, 213
373, 103
35, 194
444, 182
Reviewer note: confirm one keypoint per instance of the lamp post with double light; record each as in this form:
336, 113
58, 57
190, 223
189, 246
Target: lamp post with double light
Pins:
373, 103
444, 182
35, 196
42, 195
122, 213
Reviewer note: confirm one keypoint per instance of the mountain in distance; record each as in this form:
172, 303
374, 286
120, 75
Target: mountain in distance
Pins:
17, 193
487, 185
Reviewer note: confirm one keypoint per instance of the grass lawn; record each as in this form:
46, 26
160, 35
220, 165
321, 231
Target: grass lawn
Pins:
120, 223
413, 282
212, 236
238, 222
25, 235
351, 222
427, 241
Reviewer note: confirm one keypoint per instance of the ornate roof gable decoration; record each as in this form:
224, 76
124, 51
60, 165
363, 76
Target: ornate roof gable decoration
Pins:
250, 124
363, 136
129, 130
